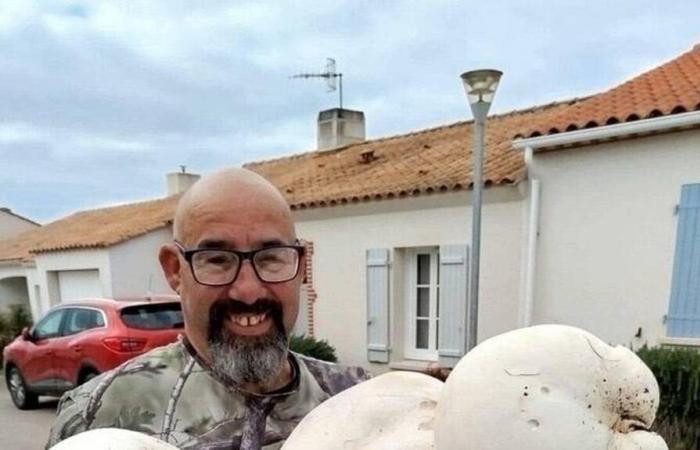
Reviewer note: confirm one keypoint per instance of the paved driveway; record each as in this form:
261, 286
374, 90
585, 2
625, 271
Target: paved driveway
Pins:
24, 430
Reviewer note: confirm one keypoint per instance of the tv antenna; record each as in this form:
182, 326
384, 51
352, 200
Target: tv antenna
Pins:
331, 76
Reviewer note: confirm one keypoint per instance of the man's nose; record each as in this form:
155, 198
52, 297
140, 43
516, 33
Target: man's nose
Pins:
247, 287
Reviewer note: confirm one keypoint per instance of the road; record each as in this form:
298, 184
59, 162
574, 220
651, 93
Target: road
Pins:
24, 430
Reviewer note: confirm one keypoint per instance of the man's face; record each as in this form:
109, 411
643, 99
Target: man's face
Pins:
249, 316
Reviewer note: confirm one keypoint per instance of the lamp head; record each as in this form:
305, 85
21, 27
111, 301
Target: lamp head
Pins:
480, 87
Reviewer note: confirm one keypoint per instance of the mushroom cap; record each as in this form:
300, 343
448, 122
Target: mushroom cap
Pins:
548, 386
393, 411
112, 439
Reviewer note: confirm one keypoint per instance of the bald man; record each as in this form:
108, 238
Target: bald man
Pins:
231, 382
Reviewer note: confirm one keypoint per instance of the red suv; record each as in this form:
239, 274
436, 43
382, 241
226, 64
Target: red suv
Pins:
79, 340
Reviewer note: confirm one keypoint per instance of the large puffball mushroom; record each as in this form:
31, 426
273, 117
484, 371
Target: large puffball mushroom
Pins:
393, 411
112, 439
548, 387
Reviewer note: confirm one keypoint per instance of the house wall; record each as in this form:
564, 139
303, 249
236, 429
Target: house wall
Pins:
341, 236
135, 267
11, 225
607, 233
49, 264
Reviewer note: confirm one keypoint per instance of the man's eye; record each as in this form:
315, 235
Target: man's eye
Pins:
217, 259
269, 259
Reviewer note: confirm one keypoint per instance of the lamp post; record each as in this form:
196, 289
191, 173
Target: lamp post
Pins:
480, 87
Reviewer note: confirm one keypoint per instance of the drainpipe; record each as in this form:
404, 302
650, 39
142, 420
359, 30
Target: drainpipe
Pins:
531, 252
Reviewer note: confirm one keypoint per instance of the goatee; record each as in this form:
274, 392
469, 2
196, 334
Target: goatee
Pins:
246, 359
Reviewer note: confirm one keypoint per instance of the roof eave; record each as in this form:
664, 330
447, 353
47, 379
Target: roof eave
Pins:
610, 132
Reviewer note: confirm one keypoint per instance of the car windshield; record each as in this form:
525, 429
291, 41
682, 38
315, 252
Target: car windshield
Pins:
157, 316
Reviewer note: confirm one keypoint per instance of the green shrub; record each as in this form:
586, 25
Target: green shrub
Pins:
311, 347
15, 318
12, 321
678, 372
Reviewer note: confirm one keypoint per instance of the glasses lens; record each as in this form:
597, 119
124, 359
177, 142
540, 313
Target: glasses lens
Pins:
214, 266
276, 264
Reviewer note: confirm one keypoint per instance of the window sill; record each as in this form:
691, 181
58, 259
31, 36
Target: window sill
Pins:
680, 341
411, 365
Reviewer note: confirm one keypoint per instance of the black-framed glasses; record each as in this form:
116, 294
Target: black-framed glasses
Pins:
219, 267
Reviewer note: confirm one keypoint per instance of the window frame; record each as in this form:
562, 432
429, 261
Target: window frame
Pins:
411, 305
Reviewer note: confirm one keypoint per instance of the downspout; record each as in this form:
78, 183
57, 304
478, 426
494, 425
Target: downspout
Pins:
531, 251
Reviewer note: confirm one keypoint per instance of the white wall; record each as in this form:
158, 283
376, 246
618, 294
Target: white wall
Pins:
341, 236
49, 264
608, 231
11, 225
135, 267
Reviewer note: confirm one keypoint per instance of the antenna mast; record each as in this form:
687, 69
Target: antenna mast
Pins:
331, 76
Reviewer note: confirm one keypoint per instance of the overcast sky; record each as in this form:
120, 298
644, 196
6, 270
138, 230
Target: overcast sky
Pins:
100, 99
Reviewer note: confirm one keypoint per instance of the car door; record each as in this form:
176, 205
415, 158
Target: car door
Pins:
38, 368
71, 347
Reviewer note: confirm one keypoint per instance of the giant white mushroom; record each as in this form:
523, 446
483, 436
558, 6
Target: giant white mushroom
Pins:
394, 411
548, 387
112, 439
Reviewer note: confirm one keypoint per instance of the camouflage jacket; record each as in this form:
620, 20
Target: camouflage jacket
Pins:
171, 394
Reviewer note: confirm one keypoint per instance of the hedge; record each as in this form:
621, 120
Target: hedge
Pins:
12, 321
678, 372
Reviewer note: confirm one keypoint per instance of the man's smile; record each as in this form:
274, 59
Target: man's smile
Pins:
247, 324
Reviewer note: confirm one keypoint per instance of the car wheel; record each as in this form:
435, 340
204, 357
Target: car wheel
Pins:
21, 397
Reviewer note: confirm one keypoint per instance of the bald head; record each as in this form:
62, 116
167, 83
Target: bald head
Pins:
230, 189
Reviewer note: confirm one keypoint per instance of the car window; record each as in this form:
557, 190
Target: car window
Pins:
49, 326
157, 316
81, 319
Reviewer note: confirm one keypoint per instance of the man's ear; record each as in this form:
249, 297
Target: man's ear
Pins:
169, 258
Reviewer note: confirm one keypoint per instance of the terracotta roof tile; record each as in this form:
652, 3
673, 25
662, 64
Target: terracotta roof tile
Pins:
671, 88
97, 228
432, 160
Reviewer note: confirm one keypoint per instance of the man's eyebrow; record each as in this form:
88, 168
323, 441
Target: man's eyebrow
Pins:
272, 243
222, 244
212, 243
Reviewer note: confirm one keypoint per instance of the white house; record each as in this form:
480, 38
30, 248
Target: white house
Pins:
106, 252
12, 224
590, 218
13, 290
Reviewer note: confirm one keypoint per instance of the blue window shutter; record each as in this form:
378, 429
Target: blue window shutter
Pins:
454, 268
378, 305
684, 306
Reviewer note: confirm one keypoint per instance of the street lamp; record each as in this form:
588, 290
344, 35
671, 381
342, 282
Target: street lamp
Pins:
480, 86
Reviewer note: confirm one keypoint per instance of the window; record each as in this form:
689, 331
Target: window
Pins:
50, 326
81, 319
684, 306
157, 316
429, 311
422, 308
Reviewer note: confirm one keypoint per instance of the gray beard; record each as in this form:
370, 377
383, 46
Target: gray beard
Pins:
253, 360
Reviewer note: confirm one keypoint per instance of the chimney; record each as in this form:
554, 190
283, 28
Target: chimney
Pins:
179, 182
339, 127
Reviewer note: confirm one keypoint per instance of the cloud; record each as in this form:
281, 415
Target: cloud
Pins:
102, 98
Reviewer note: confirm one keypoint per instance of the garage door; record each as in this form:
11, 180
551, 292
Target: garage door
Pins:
75, 284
